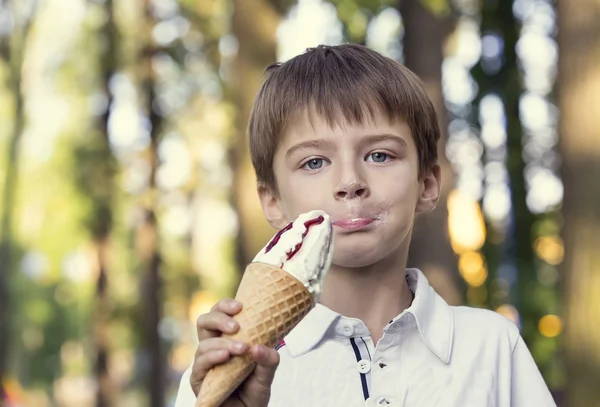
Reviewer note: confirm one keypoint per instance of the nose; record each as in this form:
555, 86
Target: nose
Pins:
351, 189
351, 183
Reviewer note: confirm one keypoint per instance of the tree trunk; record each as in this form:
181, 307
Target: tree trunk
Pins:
579, 101
430, 248
8, 205
147, 244
12, 51
104, 218
105, 388
511, 247
254, 24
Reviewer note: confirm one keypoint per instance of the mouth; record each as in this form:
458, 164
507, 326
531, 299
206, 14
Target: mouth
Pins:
356, 220
354, 224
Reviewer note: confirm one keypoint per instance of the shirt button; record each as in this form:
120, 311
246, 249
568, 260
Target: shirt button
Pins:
363, 366
348, 329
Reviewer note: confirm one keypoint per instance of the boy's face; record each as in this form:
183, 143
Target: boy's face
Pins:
364, 176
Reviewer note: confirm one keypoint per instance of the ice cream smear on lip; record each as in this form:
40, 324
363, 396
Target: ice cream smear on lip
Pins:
304, 248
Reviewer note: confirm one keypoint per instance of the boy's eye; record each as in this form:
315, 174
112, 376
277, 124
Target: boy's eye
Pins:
314, 164
378, 157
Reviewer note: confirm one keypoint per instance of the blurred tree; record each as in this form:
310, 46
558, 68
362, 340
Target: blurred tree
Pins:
508, 248
355, 16
487, 83
579, 98
201, 13
97, 168
430, 248
147, 233
13, 45
254, 24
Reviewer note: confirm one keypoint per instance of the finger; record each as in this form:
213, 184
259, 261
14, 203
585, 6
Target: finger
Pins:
227, 306
205, 362
267, 360
212, 344
214, 324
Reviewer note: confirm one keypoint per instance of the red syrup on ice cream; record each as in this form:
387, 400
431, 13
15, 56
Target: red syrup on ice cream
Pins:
296, 249
307, 225
277, 236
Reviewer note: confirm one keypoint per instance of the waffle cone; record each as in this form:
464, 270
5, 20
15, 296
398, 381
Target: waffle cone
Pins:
273, 303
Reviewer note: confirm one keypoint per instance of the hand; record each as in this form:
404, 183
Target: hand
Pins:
213, 349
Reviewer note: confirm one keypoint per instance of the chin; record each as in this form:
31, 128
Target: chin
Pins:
356, 257
363, 250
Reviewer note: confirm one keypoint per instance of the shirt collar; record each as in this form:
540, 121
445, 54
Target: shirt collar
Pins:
433, 316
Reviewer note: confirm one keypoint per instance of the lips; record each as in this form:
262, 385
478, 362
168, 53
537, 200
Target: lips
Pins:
353, 224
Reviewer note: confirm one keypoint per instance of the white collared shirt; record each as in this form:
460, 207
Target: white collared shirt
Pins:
431, 355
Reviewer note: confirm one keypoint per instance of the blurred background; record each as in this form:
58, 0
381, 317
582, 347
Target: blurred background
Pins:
127, 197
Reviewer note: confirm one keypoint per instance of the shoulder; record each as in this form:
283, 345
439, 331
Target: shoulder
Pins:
471, 323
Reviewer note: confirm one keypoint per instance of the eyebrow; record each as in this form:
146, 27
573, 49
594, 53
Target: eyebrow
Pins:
322, 143
376, 138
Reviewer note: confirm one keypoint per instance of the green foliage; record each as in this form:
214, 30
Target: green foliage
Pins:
439, 7
47, 303
355, 16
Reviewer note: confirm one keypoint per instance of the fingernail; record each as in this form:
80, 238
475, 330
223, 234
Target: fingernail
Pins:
238, 346
231, 324
260, 350
235, 304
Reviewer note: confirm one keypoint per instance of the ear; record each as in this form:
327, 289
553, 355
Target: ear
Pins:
430, 190
271, 207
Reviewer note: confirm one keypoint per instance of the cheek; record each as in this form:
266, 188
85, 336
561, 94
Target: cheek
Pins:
398, 189
401, 203
295, 201
301, 194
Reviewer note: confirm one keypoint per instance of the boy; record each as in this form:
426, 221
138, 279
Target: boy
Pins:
348, 131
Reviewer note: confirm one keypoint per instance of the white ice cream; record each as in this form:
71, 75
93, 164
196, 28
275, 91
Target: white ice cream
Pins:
304, 252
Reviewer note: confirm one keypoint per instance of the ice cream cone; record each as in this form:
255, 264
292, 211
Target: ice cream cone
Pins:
273, 303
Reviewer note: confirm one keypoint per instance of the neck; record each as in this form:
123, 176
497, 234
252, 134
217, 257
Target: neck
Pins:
375, 294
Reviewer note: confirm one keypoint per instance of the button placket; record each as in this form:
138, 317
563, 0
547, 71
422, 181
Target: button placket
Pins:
384, 370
